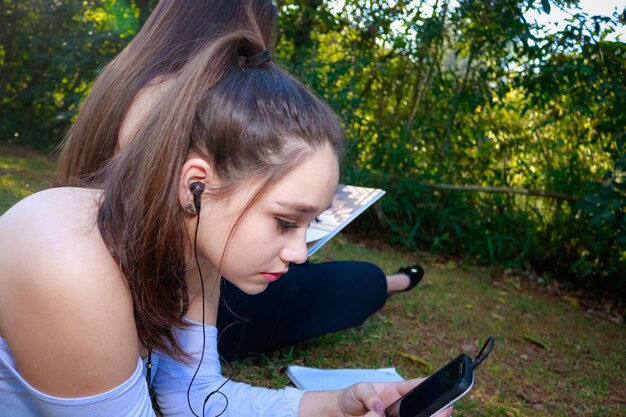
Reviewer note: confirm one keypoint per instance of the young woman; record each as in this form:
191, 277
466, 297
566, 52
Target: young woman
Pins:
312, 298
221, 180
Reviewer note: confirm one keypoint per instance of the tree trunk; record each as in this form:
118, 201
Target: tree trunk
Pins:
419, 87
445, 146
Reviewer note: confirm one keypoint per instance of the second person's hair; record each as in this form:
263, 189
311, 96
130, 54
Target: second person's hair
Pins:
173, 33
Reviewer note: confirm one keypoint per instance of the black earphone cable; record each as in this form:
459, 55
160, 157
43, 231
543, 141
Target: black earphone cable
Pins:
202, 290
195, 254
240, 320
197, 188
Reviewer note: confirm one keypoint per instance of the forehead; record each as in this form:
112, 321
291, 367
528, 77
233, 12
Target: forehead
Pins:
310, 186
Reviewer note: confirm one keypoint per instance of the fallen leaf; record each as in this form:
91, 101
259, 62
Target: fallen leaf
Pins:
514, 283
469, 348
616, 318
535, 341
510, 413
414, 358
571, 300
497, 317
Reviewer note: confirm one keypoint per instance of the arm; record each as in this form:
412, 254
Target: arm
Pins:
173, 378
65, 314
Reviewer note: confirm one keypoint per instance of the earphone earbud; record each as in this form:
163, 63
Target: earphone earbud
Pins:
196, 188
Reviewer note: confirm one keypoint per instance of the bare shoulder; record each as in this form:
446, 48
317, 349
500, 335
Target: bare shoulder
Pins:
65, 310
53, 230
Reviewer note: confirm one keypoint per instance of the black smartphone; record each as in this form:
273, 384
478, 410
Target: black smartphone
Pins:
436, 392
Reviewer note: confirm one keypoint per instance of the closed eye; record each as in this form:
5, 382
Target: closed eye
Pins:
285, 226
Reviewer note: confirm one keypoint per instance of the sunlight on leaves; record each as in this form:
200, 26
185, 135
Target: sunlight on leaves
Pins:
115, 16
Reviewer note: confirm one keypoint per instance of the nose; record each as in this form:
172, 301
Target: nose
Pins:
295, 249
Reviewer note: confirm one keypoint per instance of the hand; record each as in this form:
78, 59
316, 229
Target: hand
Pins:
358, 400
371, 399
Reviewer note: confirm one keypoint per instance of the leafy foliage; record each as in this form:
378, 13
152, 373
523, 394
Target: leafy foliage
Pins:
475, 94
50, 53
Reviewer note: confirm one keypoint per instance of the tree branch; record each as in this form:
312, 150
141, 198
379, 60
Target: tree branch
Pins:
503, 190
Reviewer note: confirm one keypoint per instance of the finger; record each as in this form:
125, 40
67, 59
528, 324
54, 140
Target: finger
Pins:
390, 392
367, 395
401, 387
406, 386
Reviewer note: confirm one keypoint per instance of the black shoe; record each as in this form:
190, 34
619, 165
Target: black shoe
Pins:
415, 274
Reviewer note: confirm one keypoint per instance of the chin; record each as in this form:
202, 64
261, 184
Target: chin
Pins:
256, 291
253, 289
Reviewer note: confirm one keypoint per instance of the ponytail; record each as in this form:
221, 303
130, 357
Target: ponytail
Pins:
140, 218
249, 119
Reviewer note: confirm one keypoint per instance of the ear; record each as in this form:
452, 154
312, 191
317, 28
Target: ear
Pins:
195, 169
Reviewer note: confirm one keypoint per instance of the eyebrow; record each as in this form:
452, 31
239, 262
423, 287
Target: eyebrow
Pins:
300, 207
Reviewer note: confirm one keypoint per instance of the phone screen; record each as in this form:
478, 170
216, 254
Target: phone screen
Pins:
438, 391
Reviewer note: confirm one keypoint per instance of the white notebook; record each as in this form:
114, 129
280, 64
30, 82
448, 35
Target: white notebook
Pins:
315, 379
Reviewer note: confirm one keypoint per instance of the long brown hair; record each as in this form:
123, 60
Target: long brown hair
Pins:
249, 121
173, 33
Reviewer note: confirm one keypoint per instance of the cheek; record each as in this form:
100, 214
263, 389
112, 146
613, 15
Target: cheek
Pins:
213, 236
255, 238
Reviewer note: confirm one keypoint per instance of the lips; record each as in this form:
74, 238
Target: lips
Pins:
272, 276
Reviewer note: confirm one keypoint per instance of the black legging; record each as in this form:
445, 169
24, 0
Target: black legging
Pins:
310, 300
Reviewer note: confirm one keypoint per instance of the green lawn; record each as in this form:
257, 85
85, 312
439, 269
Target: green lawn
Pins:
554, 356
22, 172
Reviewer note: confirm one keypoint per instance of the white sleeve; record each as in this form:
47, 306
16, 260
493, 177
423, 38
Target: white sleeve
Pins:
236, 399
130, 399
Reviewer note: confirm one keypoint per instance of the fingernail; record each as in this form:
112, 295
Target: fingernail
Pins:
379, 408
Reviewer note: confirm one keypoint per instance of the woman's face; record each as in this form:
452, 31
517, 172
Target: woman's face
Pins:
271, 234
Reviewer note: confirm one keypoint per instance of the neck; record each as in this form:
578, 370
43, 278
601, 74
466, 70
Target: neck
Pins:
211, 297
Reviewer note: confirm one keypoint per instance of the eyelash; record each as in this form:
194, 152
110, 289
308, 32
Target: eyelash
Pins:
284, 226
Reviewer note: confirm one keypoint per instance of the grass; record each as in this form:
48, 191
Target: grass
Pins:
22, 171
552, 357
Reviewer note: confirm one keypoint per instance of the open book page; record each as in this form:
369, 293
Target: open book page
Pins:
349, 201
330, 379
